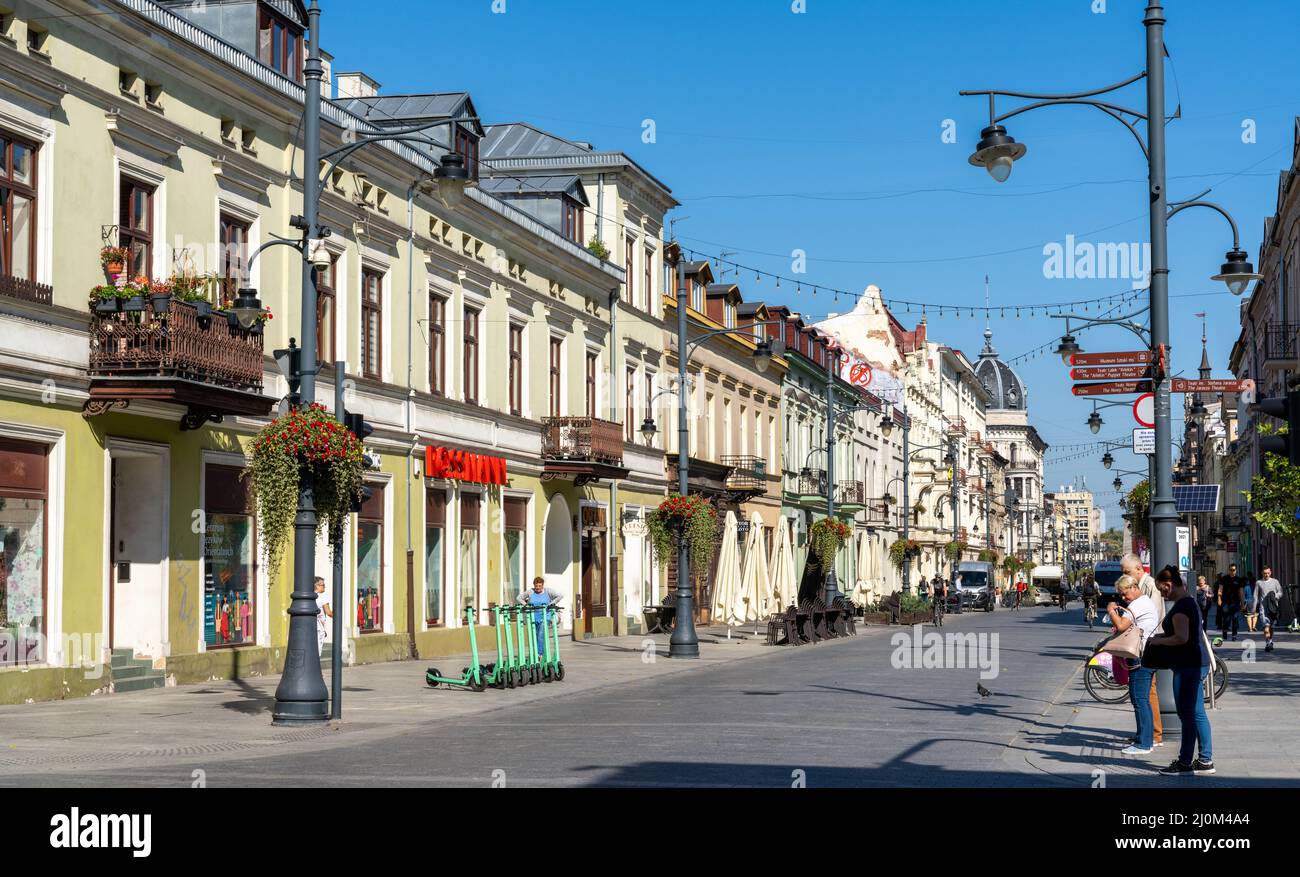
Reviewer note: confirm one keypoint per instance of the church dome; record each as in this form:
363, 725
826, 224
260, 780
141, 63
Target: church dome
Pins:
1005, 388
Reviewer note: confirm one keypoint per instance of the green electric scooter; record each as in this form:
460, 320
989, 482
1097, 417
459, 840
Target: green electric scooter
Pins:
550, 668
472, 677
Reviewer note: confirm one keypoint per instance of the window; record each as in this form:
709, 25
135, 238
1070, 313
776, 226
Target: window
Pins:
370, 563
326, 278
435, 524
229, 559
516, 543
557, 353
629, 292
697, 295
437, 344
629, 406
37, 39
470, 512
647, 278
571, 220
23, 528
592, 360
279, 45
372, 323
467, 146
135, 226
233, 256
153, 92
516, 369
471, 355
729, 315
17, 208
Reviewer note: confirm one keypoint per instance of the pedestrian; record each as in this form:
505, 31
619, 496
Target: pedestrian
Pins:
1248, 604
1268, 604
1204, 597
323, 611
1181, 648
1141, 611
546, 600
1132, 566
1227, 605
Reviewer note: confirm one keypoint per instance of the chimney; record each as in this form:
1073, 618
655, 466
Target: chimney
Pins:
356, 84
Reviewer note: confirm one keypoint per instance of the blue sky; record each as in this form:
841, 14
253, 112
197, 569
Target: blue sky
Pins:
822, 131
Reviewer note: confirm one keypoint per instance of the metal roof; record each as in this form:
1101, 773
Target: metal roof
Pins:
389, 110
1005, 388
552, 185
519, 139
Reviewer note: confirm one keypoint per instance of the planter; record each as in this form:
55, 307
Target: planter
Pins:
161, 303
256, 328
134, 304
875, 618
231, 319
106, 306
204, 308
113, 269
915, 617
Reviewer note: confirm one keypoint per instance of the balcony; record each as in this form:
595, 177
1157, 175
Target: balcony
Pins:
1234, 518
747, 475
877, 513
26, 290
582, 449
851, 495
175, 356
1280, 348
812, 484
957, 426
976, 438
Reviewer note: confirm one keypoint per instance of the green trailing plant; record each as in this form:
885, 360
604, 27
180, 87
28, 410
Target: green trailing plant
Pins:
954, 549
1011, 564
988, 555
108, 292
1027, 567
1274, 496
304, 439
903, 550
598, 249
913, 603
1139, 506
826, 537
697, 522
193, 287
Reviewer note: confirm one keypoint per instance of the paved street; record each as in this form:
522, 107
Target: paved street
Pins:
745, 715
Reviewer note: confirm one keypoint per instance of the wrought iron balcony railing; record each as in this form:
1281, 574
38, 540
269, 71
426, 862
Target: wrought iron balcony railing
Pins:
1234, 517
851, 493
582, 439
957, 426
1281, 350
812, 482
747, 473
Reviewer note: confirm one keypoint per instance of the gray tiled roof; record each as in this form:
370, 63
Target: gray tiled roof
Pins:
550, 185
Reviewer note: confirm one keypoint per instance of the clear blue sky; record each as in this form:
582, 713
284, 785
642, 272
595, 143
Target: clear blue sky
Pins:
821, 131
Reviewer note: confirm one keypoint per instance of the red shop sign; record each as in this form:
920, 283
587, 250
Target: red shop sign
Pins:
464, 466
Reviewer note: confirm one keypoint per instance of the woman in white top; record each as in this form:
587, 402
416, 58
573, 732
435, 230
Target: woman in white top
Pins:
1142, 612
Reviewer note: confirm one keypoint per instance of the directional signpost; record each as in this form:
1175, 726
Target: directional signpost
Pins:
1130, 357
1112, 388
1181, 385
1110, 372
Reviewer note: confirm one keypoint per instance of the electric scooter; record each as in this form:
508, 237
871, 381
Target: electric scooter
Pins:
472, 676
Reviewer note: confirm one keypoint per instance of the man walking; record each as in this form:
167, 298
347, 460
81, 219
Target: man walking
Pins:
1132, 567
1267, 602
1228, 602
324, 611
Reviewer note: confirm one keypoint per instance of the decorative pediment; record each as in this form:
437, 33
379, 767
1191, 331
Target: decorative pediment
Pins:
138, 136
36, 86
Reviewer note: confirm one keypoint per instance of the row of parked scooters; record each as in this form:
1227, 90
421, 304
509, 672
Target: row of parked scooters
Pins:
528, 651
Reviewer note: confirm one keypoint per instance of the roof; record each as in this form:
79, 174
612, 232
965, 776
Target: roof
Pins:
399, 109
1006, 390
721, 289
520, 139
505, 187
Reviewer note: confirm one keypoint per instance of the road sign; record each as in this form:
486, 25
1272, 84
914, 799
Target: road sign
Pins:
1129, 357
1111, 388
1110, 373
1182, 385
1184, 537
1144, 441
1144, 410
1232, 547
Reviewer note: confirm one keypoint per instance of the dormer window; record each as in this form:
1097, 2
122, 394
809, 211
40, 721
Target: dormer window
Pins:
279, 44
467, 146
729, 315
571, 219
697, 295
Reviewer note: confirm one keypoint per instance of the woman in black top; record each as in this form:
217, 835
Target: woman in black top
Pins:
1181, 647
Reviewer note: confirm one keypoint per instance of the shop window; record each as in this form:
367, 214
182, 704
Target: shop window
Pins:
516, 539
23, 528
435, 525
370, 563
229, 560
470, 515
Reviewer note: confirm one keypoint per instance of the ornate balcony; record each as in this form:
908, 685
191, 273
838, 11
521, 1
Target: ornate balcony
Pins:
206, 364
747, 475
957, 426
26, 290
877, 513
1281, 350
813, 483
851, 495
583, 449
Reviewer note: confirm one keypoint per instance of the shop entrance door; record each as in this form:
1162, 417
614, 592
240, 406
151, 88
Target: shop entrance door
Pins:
593, 565
137, 554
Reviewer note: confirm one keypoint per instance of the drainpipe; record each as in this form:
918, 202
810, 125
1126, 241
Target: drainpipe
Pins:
615, 351
410, 415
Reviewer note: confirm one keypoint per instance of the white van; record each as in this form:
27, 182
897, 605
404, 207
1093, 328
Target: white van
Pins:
1047, 583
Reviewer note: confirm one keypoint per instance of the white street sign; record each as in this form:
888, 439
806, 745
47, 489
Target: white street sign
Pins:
1144, 410
1184, 548
1144, 441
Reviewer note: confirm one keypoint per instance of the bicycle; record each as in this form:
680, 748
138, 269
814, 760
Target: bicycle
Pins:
1090, 612
1101, 684
938, 610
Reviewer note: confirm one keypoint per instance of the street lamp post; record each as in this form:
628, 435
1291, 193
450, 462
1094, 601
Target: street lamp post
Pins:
997, 151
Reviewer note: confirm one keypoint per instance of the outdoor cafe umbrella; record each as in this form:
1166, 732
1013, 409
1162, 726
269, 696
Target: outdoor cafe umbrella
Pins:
726, 582
754, 586
864, 586
783, 586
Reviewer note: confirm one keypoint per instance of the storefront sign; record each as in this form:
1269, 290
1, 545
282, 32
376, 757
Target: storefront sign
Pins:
464, 466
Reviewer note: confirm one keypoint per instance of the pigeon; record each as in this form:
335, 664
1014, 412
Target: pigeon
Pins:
984, 692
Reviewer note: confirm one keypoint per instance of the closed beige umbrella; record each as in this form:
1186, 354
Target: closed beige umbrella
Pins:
726, 576
784, 586
754, 586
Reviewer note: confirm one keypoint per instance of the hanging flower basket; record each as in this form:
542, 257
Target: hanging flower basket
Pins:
903, 550
988, 555
1011, 564
684, 518
114, 259
306, 440
954, 550
826, 537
